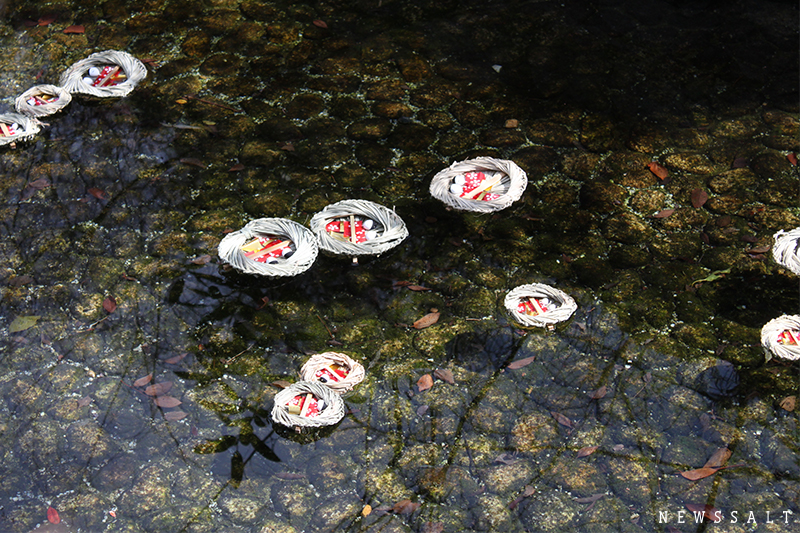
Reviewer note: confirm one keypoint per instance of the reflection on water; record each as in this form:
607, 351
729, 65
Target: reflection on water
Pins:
152, 414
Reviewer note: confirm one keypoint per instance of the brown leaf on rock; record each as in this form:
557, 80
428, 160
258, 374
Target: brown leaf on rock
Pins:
718, 458
417, 288
599, 393
52, 516
236, 168
789, 403
320, 24
110, 304
41, 183
175, 415
699, 197
167, 401
97, 193
192, 161
202, 259
433, 527
366, 510
281, 383
587, 450
158, 389
444, 375
519, 363
792, 157
664, 213
759, 249
46, 20
699, 473
425, 382
75, 28
658, 170
710, 512
405, 507
561, 419
141, 382
83, 402
426, 321
176, 359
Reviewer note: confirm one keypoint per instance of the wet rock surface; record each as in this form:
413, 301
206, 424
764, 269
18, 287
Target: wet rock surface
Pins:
112, 215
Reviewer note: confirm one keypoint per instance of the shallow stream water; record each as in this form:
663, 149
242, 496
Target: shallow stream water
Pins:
276, 109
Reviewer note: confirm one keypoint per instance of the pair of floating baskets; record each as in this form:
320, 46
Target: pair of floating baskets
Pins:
316, 400
539, 305
280, 247
104, 74
483, 184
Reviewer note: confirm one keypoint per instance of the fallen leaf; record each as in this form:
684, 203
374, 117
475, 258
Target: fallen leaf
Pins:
587, 450
519, 363
52, 516
366, 510
166, 401
529, 491
511, 123
141, 382
561, 419
77, 28
288, 476
396, 284
444, 375
590, 499
41, 183
19, 281
699, 197
176, 359
83, 402
659, 171
792, 157
320, 24
110, 304
192, 161
759, 249
422, 409
281, 383
426, 321
97, 193
158, 389
599, 393
789, 403
718, 458
21, 323
45, 21
287, 147
236, 168
405, 507
699, 473
417, 288
664, 213
174, 416
710, 512
201, 260
425, 382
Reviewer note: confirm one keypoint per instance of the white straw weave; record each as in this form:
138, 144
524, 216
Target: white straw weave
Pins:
134, 70
323, 360
306, 248
511, 186
26, 127
561, 308
61, 98
771, 332
392, 233
786, 248
332, 413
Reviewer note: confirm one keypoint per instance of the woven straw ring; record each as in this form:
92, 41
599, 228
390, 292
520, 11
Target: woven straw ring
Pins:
263, 247
15, 127
358, 227
304, 397
785, 249
781, 337
104, 74
336, 370
483, 184
42, 100
539, 305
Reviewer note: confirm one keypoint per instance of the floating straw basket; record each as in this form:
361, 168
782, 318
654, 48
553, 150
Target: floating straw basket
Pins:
483, 184
335, 370
539, 305
270, 247
15, 127
358, 227
42, 100
785, 250
781, 337
104, 74
298, 405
